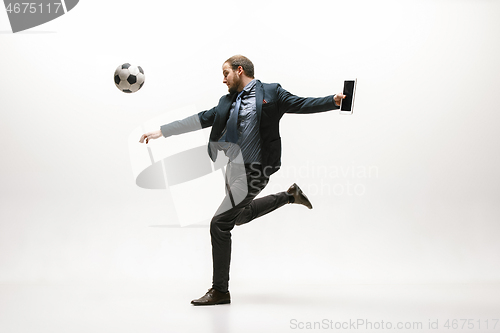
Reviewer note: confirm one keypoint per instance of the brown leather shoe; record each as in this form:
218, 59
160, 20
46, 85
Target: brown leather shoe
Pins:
299, 196
213, 297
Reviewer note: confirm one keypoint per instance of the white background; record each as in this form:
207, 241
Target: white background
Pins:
424, 130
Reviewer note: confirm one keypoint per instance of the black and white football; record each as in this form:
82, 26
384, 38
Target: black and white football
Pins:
129, 78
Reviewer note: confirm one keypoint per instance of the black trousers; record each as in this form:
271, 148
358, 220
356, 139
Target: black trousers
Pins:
243, 184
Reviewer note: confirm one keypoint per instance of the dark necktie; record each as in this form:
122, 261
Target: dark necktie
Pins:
232, 122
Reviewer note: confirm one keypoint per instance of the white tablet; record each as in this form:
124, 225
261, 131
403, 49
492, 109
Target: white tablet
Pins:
347, 104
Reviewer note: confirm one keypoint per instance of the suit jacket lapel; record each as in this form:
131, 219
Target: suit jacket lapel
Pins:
259, 97
223, 114
225, 106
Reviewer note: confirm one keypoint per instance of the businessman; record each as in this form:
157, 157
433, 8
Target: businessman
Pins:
245, 126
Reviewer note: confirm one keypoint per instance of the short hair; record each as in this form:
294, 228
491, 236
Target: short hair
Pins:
244, 62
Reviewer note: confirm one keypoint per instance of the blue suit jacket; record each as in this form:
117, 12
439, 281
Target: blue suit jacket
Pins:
272, 102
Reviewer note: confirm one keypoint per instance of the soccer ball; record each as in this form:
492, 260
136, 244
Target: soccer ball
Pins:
129, 78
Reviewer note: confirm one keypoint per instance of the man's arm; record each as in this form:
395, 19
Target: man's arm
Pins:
189, 124
290, 103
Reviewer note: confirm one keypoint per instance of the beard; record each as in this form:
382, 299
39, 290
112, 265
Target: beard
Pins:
234, 86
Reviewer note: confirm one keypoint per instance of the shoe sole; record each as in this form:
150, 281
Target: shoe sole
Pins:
218, 303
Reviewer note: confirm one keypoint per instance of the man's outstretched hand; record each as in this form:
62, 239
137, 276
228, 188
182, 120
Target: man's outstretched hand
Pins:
150, 136
337, 98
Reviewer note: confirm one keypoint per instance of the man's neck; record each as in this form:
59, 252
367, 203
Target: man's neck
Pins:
244, 81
